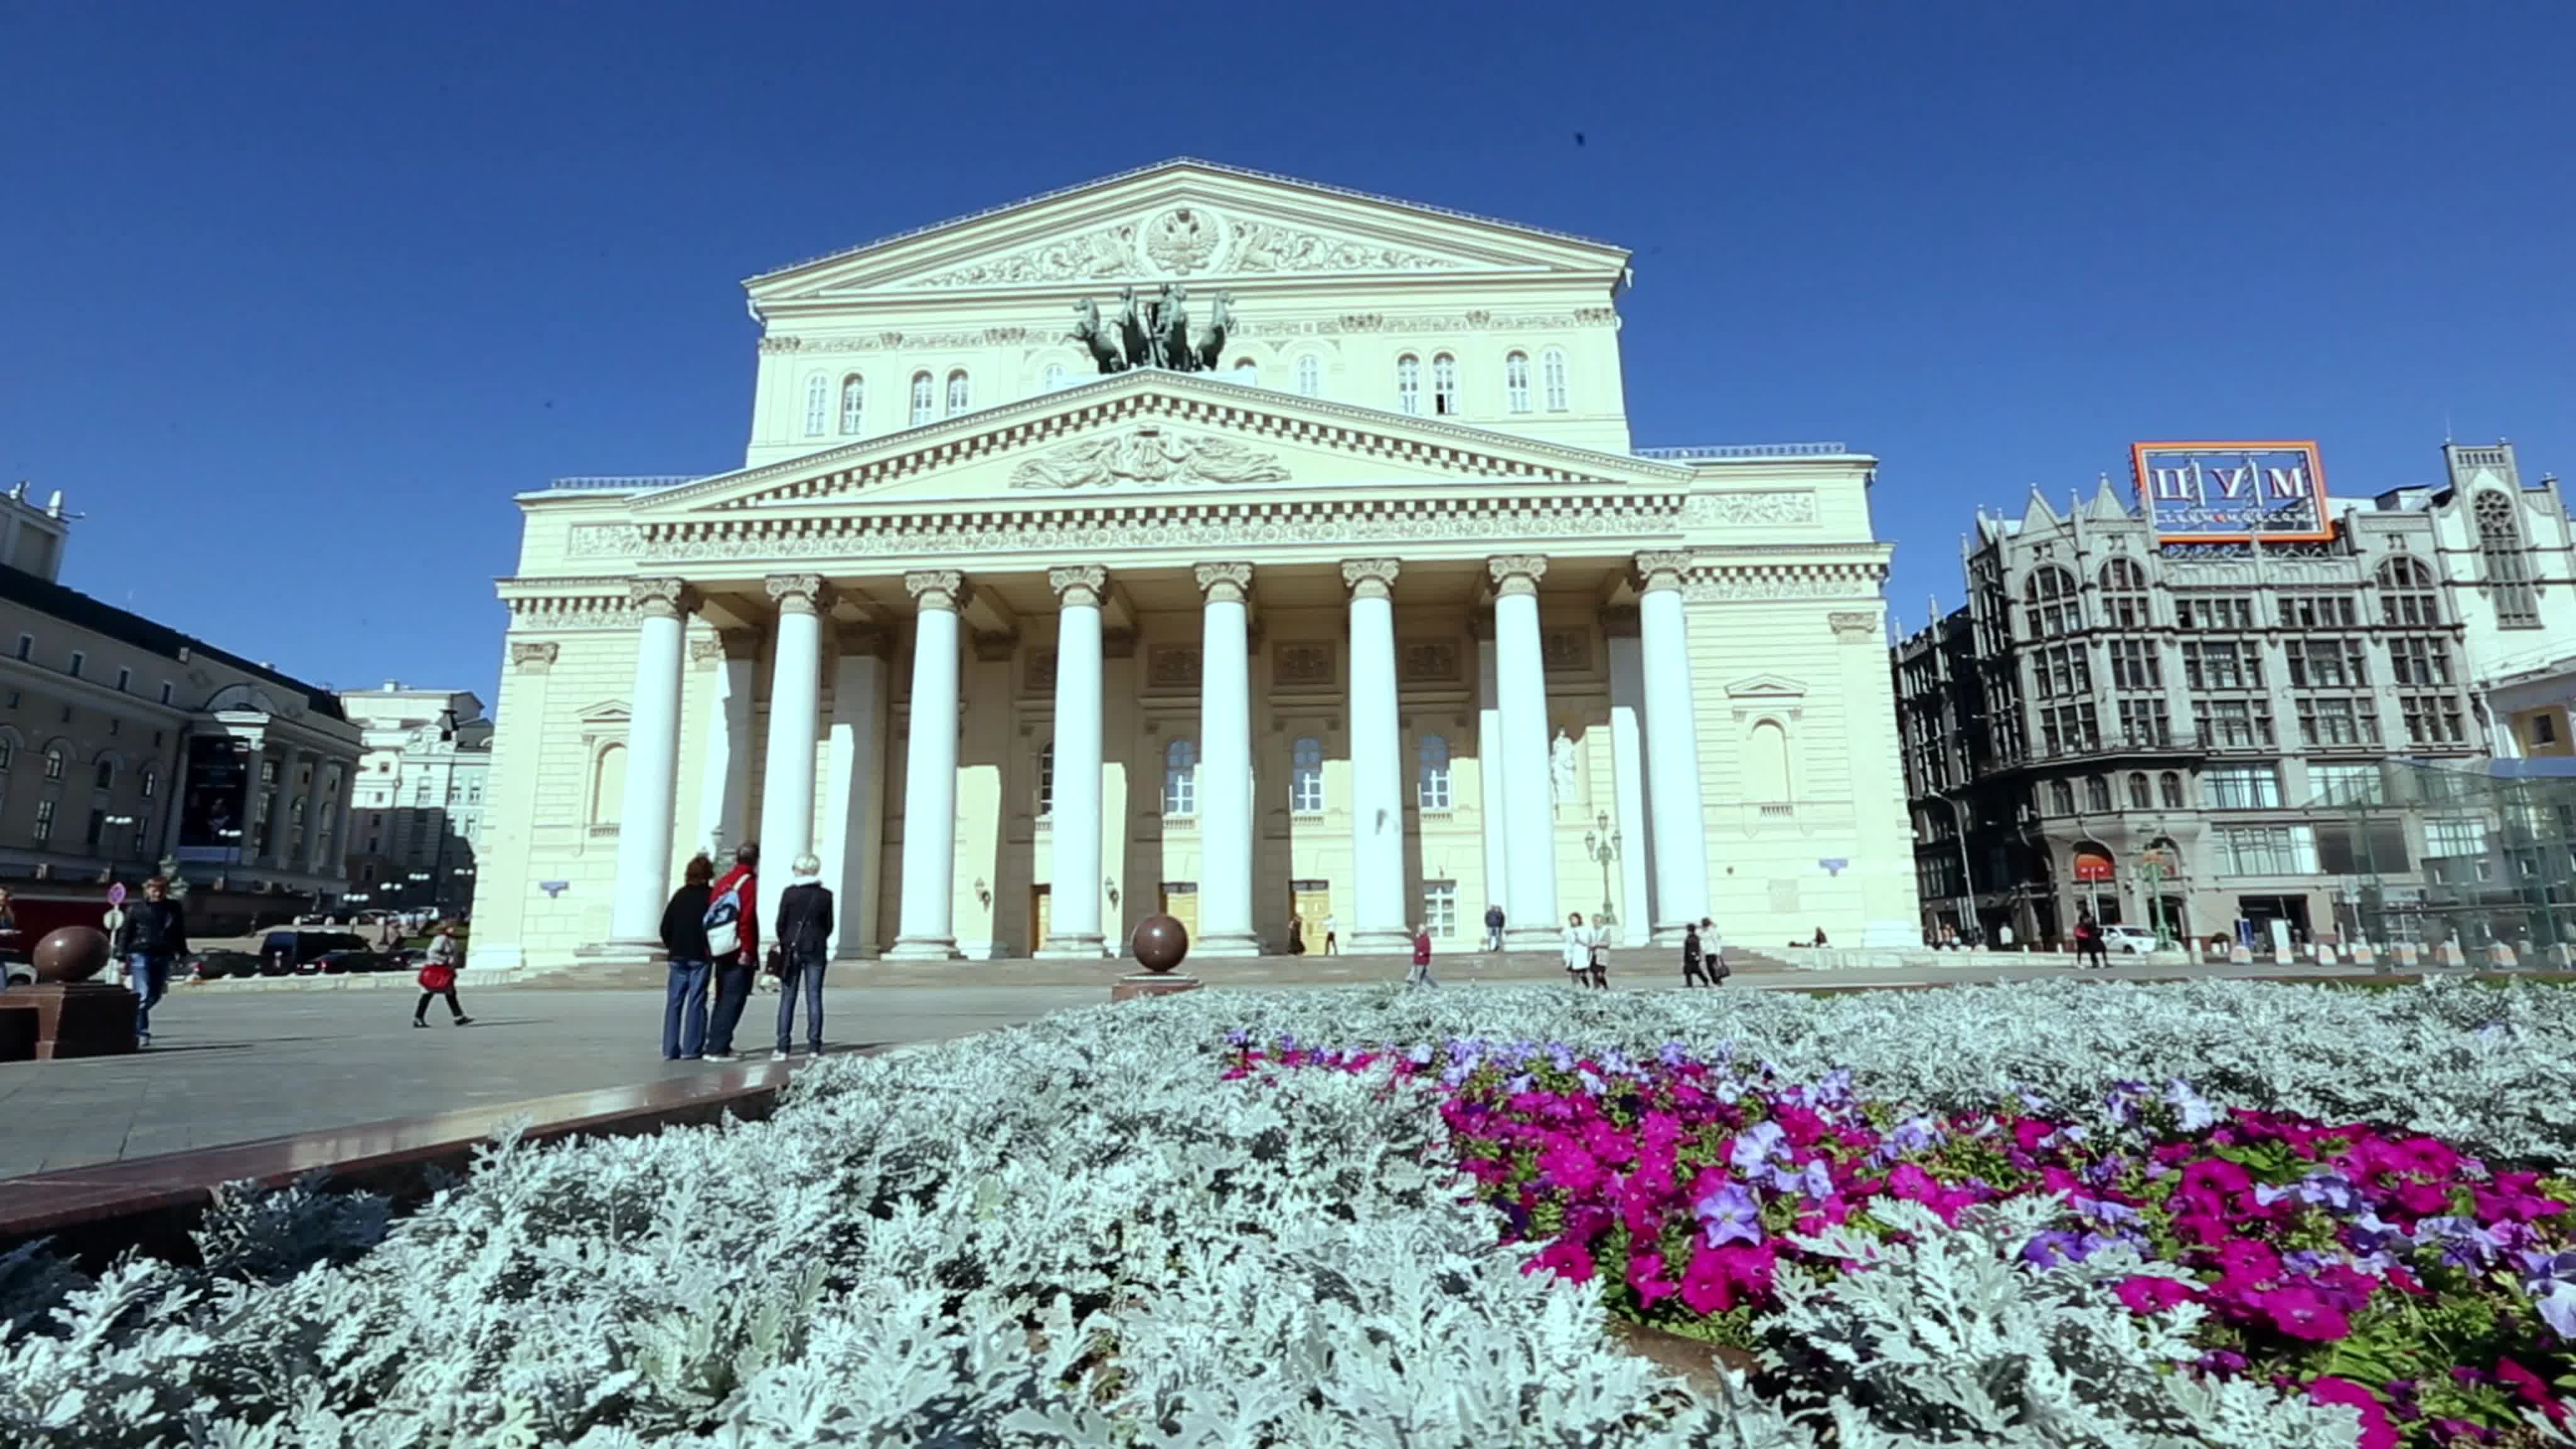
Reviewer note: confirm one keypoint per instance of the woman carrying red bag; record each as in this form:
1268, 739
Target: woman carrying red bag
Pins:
438, 978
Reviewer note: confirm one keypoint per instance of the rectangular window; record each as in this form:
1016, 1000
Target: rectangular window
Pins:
78, 659
1440, 908
26, 646
2346, 785
2222, 664
2068, 729
2455, 835
2207, 612
2374, 847
165, 691
2431, 719
124, 677
2133, 665
2266, 849
2241, 787
2318, 611
44, 820
2233, 723
2326, 664
2419, 662
2326, 721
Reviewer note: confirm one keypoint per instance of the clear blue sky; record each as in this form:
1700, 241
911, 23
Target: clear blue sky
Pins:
293, 298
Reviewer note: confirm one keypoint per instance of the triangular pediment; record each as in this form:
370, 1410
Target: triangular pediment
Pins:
1184, 221
605, 712
1146, 433
1766, 686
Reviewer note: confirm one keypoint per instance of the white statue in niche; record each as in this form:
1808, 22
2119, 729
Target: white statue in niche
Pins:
1561, 766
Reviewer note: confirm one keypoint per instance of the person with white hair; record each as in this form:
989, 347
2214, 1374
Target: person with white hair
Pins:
804, 939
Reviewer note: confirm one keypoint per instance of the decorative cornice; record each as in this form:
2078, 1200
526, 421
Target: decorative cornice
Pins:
798, 593
1785, 581
1225, 583
536, 656
937, 589
1517, 573
1078, 584
1370, 578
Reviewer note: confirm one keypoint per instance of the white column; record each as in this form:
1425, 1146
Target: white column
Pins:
795, 709
722, 788
1225, 765
925, 928
280, 854
1629, 776
1672, 750
853, 845
1489, 778
1378, 924
1073, 889
652, 765
1529, 802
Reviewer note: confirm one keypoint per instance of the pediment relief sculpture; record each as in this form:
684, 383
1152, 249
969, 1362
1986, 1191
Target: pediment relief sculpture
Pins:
1185, 241
1148, 456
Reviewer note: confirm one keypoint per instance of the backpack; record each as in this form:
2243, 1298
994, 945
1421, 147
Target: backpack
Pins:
724, 922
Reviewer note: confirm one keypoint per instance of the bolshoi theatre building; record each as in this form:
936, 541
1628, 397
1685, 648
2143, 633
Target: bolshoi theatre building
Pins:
1203, 541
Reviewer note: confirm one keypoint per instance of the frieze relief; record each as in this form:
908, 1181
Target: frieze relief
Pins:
1269, 329
574, 613
1267, 246
1777, 508
1148, 456
1172, 666
1106, 254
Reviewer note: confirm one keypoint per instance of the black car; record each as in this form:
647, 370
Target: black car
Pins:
295, 951
223, 965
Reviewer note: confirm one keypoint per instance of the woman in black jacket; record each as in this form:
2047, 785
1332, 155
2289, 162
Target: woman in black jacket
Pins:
804, 939
684, 937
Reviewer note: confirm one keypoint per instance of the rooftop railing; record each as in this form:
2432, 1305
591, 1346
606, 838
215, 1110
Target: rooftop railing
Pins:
1745, 450
634, 482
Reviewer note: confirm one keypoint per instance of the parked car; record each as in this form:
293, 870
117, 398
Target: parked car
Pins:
298, 950
2128, 940
348, 963
222, 965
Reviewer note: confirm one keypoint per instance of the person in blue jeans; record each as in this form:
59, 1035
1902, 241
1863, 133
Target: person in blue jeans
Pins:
733, 969
156, 934
684, 936
804, 940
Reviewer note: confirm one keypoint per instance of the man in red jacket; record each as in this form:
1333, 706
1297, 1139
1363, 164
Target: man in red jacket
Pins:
733, 968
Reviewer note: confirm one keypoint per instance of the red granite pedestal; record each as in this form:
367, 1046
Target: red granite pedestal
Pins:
75, 1018
1129, 988
17, 1030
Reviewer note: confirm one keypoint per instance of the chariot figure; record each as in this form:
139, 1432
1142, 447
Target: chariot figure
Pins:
1172, 328
1135, 333
1211, 341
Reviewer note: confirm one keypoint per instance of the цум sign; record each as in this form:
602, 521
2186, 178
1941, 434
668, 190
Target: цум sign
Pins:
2229, 492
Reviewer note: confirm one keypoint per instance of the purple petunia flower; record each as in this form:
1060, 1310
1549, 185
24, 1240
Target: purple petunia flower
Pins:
1731, 1215
2551, 1281
2194, 1109
1918, 1133
2464, 1244
1756, 1146
2330, 1190
2103, 1211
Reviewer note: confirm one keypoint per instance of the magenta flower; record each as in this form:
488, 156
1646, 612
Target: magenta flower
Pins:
2149, 1294
2376, 1431
2302, 1312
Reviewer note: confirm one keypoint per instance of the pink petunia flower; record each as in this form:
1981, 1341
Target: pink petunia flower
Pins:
2376, 1431
2149, 1294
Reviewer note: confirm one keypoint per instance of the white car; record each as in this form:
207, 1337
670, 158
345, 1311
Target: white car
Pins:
2128, 940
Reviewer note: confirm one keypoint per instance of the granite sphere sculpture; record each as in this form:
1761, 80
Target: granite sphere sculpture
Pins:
1160, 943
71, 953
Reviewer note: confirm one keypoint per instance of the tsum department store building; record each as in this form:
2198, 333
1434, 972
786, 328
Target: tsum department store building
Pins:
1361, 610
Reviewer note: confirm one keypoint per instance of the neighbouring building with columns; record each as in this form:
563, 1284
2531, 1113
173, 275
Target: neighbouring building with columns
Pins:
1366, 612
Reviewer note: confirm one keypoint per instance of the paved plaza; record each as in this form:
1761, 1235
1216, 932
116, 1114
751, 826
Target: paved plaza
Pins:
236, 1062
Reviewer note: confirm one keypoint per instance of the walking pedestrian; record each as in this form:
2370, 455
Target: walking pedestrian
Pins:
2089, 948
1597, 954
1332, 935
156, 934
1578, 950
1694, 959
1712, 952
1296, 934
1493, 928
733, 947
1420, 975
804, 938
438, 977
684, 941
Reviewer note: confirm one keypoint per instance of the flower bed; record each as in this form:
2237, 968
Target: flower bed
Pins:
2390, 1273
1071, 1233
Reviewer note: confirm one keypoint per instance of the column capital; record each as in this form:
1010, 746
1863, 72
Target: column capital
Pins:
533, 655
799, 593
937, 589
721, 645
1370, 578
1078, 584
1225, 583
662, 598
1661, 570
1517, 573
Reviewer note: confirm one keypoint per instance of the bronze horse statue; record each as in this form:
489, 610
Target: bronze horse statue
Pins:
1134, 333
1100, 343
1172, 328
1211, 342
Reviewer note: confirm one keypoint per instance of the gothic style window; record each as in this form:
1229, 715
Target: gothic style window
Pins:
1444, 385
957, 396
1310, 376
1180, 778
1306, 776
1408, 384
818, 392
1433, 791
1516, 382
1551, 372
2097, 794
2139, 799
2406, 596
2124, 594
1247, 372
2169, 790
854, 404
920, 398
2061, 798
2050, 604
2508, 575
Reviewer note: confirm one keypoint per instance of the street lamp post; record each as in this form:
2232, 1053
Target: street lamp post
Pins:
1602, 844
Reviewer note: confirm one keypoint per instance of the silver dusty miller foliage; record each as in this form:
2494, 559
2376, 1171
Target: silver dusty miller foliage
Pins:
1073, 1233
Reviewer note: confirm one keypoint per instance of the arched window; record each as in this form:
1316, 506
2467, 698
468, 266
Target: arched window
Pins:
1408, 384
2406, 594
1180, 778
2124, 594
105, 776
2139, 799
2097, 794
818, 393
1516, 382
1432, 792
8, 752
1247, 372
1310, 376
2169, 790
2061, 798
2050, 604
1046, 781
921, 397
1444, 385
151, 781
608, 787
957, 392
53, 762
2508, 573
854, 404
1056, 378
1306, 776
1551, 375
1766, 763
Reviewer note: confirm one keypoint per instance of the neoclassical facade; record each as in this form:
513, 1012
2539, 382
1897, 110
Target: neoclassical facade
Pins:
1372, 618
